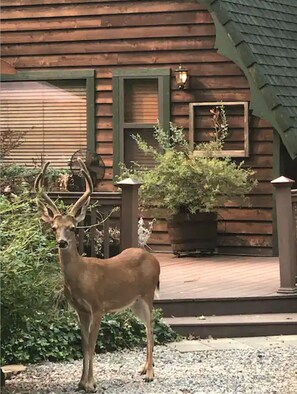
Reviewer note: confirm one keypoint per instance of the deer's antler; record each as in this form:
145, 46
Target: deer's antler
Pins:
38, 187
85, 198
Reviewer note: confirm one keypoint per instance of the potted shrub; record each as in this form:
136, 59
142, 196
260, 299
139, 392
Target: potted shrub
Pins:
191, 185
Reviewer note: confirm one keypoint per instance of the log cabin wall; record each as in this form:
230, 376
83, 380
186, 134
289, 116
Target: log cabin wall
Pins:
107, 35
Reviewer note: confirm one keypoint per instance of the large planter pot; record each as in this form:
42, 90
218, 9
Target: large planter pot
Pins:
193, 233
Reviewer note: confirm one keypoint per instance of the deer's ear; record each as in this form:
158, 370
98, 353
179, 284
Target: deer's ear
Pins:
45, 213
81, 214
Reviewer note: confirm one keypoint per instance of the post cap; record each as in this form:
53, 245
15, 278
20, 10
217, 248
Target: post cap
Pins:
282, 180
129, 181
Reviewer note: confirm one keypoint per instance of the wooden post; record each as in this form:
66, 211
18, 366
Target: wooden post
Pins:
294, 205
286, 235
129, 213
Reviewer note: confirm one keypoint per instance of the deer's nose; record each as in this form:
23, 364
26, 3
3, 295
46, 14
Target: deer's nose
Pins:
62, 244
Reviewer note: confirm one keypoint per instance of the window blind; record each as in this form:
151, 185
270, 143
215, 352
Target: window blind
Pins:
52, 115
141, 101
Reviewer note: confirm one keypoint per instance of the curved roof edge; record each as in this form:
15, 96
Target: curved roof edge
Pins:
265, 97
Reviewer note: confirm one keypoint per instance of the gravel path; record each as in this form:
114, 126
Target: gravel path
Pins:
252, 371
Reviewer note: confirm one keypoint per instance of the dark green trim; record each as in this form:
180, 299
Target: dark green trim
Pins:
87, 75
166, 102
118, 79
138, 125
116, 125
141, 72
121, 117
91, 112
48, 75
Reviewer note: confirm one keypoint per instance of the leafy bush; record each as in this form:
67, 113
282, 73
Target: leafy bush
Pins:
36, 323
18, 178
30, 278
57, 337
42, 337
187, 181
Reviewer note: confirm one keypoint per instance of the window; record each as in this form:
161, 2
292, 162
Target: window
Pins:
53, 111
141, 98
202, 129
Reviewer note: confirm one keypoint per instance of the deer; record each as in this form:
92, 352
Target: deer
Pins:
95, 286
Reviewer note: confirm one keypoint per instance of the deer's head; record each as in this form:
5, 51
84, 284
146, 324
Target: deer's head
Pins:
63, 225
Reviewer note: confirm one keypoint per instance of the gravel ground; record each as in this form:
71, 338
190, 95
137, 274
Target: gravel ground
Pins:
255, 371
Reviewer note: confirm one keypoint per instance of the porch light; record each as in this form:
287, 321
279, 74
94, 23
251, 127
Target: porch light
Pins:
181, 77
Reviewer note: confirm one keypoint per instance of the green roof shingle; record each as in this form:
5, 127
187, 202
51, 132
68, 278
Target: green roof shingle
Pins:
264, 33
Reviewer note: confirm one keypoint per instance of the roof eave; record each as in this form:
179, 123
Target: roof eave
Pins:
264, 101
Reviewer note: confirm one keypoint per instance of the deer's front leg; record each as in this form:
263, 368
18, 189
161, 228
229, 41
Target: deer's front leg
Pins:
94, 328
84, 322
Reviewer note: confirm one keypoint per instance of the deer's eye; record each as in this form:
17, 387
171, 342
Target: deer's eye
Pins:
54, 228
72, 229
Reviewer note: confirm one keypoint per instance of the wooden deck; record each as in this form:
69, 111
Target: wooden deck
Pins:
218, 277
234, 296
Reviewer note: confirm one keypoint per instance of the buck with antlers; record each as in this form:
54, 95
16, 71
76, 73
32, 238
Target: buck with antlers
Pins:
95, 286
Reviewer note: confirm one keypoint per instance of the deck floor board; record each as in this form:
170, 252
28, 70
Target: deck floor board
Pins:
218, 276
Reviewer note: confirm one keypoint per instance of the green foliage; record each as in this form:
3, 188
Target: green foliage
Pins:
124, 330
57, 337
184, 181
19, 171
45, 336
20, 178
30, 277
36, 323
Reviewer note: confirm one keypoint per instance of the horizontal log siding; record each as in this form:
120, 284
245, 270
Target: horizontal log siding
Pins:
106, 35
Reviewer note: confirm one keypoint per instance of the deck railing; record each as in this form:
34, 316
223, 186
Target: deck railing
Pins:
111, 221
286, 212
93, 235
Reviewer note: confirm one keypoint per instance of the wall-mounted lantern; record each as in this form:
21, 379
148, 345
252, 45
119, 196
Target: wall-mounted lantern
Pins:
182, 77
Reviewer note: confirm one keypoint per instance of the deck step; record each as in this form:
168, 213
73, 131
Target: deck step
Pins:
228, 326
228, 306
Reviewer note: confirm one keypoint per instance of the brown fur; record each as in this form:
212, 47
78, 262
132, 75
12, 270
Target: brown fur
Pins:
95, 286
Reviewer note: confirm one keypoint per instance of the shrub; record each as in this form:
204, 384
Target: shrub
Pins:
56, 337
30, 278
43, 337
36, 323
187, 181
17, 178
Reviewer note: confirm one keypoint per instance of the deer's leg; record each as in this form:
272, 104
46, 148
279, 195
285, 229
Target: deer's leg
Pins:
143, 309
84, 322
94, 328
